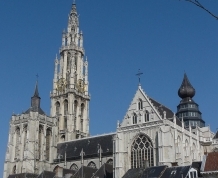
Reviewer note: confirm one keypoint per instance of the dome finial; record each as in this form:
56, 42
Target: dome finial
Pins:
186, 89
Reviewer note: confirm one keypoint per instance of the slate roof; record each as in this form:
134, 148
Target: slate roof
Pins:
39, 110
105, 171
87, 172
169, 114
175, 172
216, 136
89, 145
152, 172
211, 162
46, 174
23, 175
133, 173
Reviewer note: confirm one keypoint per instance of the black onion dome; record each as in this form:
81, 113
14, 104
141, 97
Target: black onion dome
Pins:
186, 89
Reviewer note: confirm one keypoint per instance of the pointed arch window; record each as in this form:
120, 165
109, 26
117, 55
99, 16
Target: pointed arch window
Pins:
110, 161
57, 106
74, 167
193, 151
186, 148
140, 104
134, 118
48, 143
40, 141
68, 61
178, 145
146, 116
82, 113
17, 142
92, 164
65, 107
75, 107
25, 136
14, 170
142, 152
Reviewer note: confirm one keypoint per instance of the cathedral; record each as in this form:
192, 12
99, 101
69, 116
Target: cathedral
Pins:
60, 145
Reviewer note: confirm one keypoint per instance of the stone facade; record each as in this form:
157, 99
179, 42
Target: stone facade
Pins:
149, 135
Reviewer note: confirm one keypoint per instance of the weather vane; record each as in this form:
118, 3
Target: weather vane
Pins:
139, 75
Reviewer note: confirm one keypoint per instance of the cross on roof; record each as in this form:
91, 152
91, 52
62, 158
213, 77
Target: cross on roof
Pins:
139, 75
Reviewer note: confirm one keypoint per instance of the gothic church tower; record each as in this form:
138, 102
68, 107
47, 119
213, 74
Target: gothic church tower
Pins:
69, 97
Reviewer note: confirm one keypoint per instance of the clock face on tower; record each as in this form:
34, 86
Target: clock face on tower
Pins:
61, 84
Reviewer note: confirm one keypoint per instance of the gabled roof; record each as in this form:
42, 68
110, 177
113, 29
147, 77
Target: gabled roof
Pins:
211, 162
176, 172
87, 172
46, 174
89, 145
155, 171
105, 171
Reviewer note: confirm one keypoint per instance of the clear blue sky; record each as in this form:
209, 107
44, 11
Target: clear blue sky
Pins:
162, 38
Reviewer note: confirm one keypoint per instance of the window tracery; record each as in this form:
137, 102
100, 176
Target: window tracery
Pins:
134, 118
57, 108
48, 142
110, 161
17, 142
74, 167
141, 150
40, 140
140, 104
146, 116
92, 164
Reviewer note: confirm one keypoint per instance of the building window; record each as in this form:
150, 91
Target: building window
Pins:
48, 143
40, 141
186, 148
193, 151
82, 113
110, 161
134, 118
146, 116
140, 104
178, 145
57, 108
74, 167
17, 142
141, 151
65, 107
92, 164
14, 170
75, 107
25, 136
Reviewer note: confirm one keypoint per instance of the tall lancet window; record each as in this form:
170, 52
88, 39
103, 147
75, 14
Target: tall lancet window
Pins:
48, 143
68, 61
186, 149
146, 116
82, 115
65, 107
57, 108
40, 141
142, 152
17, 132
75, 112
193, 151
25, 137
134, 118
140, 104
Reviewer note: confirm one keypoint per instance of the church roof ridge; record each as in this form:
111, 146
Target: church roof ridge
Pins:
90, 137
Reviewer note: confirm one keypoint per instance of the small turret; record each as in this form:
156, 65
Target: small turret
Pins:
188, 110
35, 99
186, 90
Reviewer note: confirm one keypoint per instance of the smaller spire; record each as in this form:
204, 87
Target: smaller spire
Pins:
36, 92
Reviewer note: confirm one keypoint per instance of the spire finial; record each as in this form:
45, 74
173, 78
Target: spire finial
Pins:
74, 1
139, 75
36, 92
